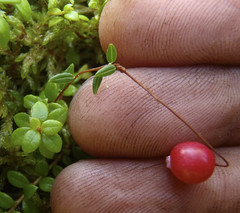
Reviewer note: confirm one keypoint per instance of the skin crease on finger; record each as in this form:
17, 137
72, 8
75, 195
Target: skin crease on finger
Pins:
113, 185
172, 33
122, 120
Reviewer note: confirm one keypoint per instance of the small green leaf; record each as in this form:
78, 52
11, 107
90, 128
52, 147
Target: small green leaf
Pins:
52, 142
17, 179
4, 33
62, 78
40, 111
54, 12
96, 84
56, 170
29, 190
17, 136
55, 20
31, 141
51, 127
83, 18
59, 115
53, 106
70, 69
29, 206
70, 91
45, 152
21, 119
30, 100
66, 160
72, 16
6, 202
63, 104
35, 123
111, 53
106, 70
25, 9
68, 8
51, 91
46, 184
42, 168
52, 4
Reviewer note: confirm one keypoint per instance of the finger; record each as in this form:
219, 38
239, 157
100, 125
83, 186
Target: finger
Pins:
122, 120
170, 33
144, 186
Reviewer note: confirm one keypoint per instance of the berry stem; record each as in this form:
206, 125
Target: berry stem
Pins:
123, 70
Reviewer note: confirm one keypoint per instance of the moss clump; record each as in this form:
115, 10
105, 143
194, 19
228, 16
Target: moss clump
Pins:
40, 39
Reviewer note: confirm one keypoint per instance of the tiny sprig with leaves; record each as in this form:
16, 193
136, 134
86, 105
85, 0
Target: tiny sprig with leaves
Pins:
111, 67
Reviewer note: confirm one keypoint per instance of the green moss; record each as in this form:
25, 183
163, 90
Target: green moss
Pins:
45, 37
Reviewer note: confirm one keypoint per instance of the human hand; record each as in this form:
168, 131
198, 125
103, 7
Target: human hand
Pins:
133, 133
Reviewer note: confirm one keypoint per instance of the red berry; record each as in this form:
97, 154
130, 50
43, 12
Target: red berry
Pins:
191, 162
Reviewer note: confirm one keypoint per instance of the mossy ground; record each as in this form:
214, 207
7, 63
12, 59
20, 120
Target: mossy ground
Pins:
43, 41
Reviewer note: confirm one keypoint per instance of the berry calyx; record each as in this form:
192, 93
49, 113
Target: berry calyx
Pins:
191, 162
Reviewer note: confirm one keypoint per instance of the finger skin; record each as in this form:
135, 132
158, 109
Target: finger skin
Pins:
171, 33
122, 120
144, 186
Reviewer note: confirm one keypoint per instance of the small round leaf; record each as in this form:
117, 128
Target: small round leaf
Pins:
53, 106
51, 127
52, 142
46, 184
17, 179
51, 91
40, 111
29, 190
6, 201
42, 168
30, 100
59, 114
45, 152
35, 123
21, 119
72, 16
70, 91
17, 136
31, 141
56, 170
29, 206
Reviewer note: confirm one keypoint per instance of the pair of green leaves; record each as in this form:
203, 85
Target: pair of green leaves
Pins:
111, 56
40, 128
55, 85
68, 76
19, 180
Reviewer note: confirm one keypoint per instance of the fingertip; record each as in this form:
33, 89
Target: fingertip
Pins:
123, 120
170, 33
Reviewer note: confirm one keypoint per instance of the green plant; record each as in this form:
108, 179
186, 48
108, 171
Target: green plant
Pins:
38, 40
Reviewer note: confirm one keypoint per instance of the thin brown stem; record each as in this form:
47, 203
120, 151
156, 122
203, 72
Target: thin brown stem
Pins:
90, 70
123, 70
